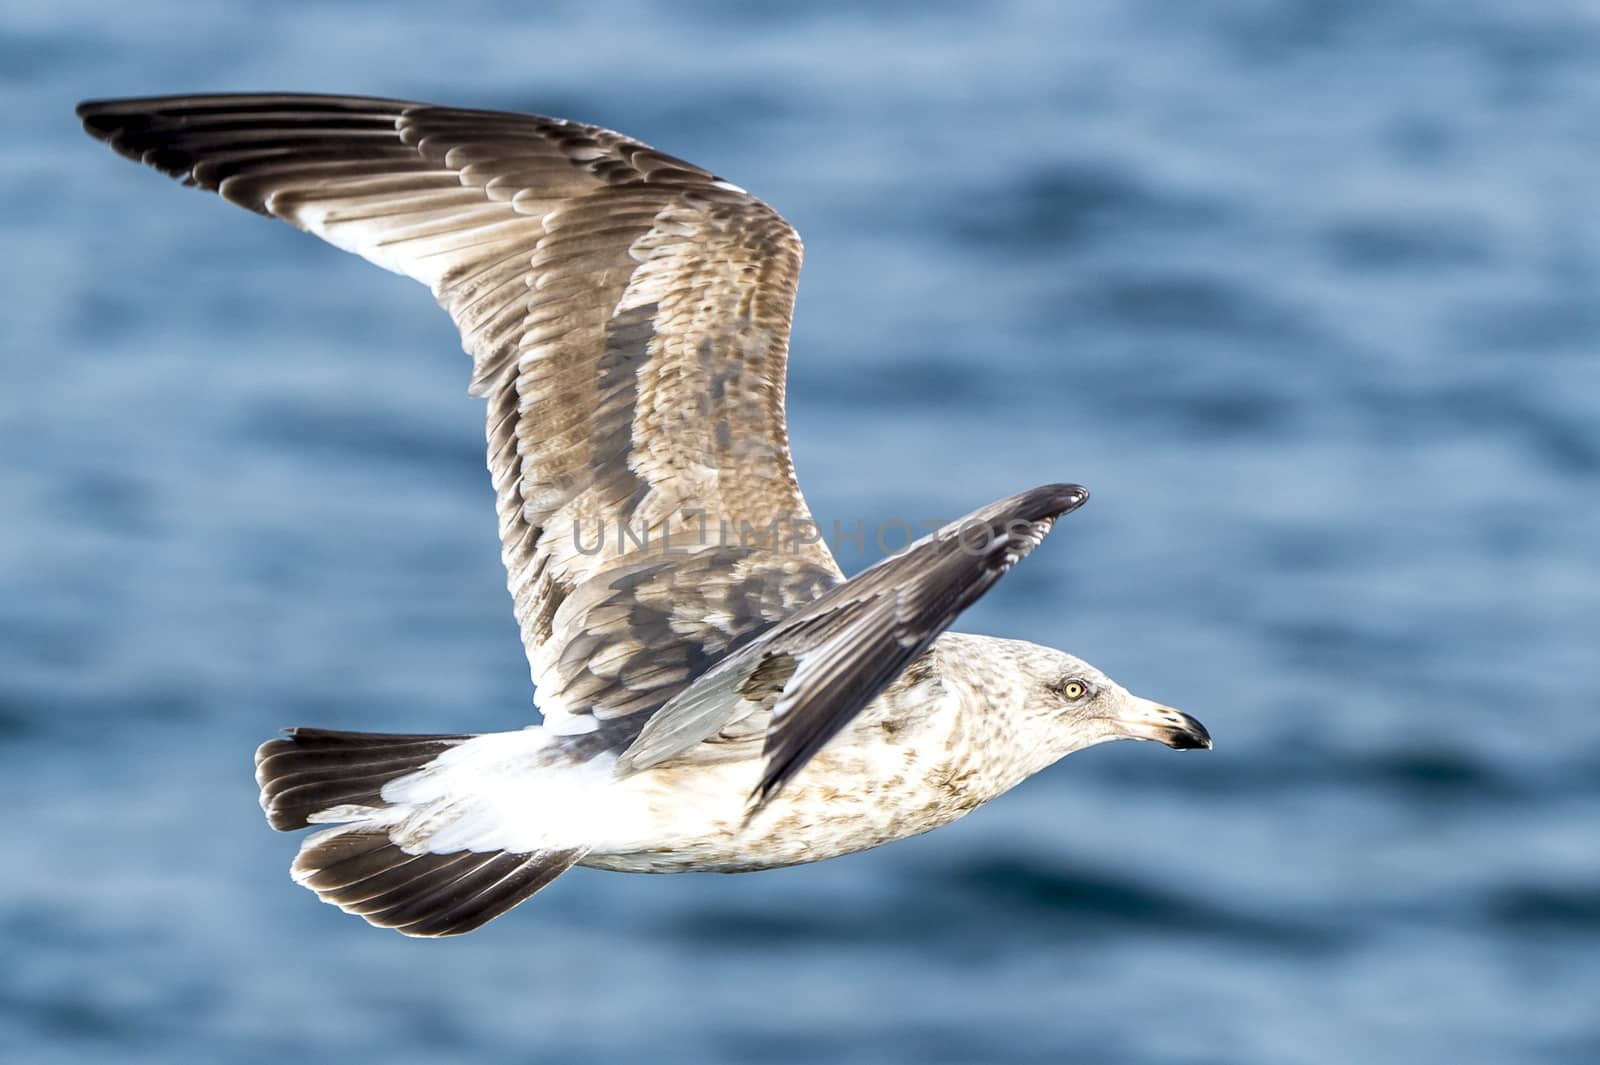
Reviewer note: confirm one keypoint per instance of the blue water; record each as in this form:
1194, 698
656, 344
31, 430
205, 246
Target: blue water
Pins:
1306, 293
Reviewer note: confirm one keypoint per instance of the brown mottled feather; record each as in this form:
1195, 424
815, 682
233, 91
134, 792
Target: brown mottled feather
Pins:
627, 314
803, 680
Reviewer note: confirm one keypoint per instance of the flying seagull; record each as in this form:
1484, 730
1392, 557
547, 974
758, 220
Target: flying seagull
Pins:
716, 694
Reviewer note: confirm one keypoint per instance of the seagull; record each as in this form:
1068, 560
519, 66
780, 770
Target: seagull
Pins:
715, 694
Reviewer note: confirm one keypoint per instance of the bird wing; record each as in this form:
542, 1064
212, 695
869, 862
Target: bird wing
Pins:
627, 315
804, 679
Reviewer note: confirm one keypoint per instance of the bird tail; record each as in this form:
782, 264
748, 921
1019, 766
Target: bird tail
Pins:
426, 840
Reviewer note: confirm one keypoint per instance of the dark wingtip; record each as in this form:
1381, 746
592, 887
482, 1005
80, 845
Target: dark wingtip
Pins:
763, 794
96, 121
1052, 500
1072, 495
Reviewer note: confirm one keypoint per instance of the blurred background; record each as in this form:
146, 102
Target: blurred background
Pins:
1306, 294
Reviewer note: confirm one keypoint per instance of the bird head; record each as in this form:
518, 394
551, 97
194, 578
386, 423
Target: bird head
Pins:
1079, 706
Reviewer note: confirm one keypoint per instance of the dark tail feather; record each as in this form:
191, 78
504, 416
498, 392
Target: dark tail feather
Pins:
310, 774
312, 769
362, 871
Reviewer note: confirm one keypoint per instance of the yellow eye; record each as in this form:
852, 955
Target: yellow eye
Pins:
1074, 689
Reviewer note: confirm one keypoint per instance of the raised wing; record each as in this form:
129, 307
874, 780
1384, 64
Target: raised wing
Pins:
816, 669
627, 314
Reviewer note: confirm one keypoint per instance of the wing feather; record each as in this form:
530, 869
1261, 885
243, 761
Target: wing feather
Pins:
627, 314
839, 652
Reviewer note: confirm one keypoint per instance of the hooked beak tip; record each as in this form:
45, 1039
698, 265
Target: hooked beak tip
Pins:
1174, 728
1193, 737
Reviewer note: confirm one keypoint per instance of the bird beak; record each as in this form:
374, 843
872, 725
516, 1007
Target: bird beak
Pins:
1145, 720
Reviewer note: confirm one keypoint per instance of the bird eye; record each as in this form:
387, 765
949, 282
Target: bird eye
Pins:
1074, 689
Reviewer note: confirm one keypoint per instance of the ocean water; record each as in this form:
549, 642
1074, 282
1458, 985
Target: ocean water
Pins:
1307, 295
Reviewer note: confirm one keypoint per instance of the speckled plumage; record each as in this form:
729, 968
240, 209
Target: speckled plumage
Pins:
715, 694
